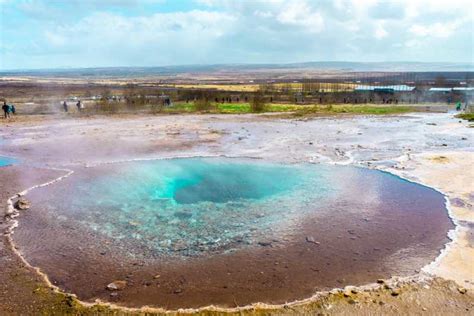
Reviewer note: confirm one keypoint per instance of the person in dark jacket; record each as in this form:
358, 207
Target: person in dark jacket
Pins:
65, 106
6, 109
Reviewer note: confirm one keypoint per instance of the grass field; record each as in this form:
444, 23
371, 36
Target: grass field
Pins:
252, 87
296, 109
466, 116
354, 109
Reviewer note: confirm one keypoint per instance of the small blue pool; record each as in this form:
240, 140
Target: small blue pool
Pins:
6, 161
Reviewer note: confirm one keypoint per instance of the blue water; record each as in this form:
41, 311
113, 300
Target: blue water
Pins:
5, 161
194, 205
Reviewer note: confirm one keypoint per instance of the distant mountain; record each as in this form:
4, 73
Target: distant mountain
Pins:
336, 66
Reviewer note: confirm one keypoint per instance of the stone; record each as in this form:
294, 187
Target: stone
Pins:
395, 292
157, 276
177, 291
311, 240
179, 245
380, 281
265, 243
22, 204
117, 285
462, 290
457, 202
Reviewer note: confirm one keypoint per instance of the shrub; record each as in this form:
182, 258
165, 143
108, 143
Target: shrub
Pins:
257, 103
202, 104
156, 108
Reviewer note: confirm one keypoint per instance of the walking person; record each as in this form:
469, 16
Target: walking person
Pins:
79, 105
6, 109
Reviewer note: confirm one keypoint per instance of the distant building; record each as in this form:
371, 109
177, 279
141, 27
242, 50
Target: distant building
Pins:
391, 88
463, 89
467, 91
437, 89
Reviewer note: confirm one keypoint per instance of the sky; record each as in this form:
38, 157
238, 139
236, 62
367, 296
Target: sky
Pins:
114, 33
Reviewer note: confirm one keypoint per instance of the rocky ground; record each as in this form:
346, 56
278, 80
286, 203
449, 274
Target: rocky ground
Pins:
434, 149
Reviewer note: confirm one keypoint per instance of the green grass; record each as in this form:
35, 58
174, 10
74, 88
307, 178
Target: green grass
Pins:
466, 116
230, 108
180, 107
246, 108
296, 109
353, 109
233, 108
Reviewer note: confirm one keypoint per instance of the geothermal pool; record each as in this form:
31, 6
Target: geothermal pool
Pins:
6, 161
200, 231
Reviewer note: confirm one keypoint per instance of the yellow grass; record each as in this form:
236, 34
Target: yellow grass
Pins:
252, 87
221, 87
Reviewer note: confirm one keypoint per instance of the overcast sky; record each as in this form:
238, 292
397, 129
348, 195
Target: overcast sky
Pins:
93, 33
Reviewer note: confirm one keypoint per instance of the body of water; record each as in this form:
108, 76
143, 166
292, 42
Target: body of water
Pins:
6, 161
217, 231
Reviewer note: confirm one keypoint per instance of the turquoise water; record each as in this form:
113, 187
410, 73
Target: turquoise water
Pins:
195, 205
5, 161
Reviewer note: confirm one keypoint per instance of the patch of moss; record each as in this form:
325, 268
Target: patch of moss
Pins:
353, 109
466, 116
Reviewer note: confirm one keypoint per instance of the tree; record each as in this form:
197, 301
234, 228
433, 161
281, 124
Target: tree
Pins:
257, 103
202, 102
440, 81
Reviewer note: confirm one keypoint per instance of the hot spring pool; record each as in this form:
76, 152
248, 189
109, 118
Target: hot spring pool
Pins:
6, 161
187, 206
221, 229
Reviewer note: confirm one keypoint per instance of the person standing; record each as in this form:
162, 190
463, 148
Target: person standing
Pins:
6, 109
65, 106
79, 105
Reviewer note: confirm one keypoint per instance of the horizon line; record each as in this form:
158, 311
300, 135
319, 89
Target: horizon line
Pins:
471, 63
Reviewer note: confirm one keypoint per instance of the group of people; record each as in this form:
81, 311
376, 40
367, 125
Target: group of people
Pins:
79, 106
8, 109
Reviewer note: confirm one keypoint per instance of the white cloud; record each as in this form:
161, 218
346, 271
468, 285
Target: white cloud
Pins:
54, 39
300, 14
93, 32
440, 30
412, 43
380, 31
